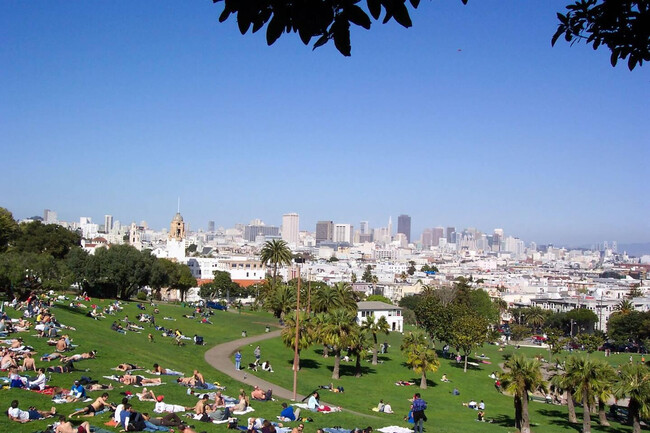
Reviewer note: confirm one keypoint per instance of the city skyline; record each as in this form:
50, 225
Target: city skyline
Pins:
468, 119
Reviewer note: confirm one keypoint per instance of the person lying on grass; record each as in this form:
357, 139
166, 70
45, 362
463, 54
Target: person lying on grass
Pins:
79, 356
129, 379
23, 416
65, 426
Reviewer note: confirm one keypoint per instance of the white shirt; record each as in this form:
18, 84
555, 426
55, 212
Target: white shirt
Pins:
17, 413
40, 381
118, 411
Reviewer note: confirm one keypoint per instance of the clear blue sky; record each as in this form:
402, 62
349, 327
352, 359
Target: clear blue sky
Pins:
469, 118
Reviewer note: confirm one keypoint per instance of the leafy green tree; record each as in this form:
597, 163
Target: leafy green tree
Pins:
634, 383
469, 331
275, 253
339, 327
590, 342
8, 229
77, 262
346, 297
522, 376
480, 303
160, 276
634, 326
411, 269
435, 317
183, 280
221, 286
429, 268
52, 239
621, 25
120, 271
374, 326
583, 317
420, 356
519, 332
306, 333
535, 317
367, 274
22, 273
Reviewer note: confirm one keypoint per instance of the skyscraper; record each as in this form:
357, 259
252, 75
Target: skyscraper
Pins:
49, 217
363, 228
211, 226
290, 228
427, 238
438, 233
324, 231
451, 235
342, 233
404, 226
108, 223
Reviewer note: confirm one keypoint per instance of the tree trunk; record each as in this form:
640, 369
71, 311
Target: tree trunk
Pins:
326, 351
571, 406
602, 416
525, 420
357, 367
374, 351
465, 368
633, 414
337, 363
586, 416
423, 380
517, 412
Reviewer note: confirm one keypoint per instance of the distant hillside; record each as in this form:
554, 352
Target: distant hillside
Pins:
636, 250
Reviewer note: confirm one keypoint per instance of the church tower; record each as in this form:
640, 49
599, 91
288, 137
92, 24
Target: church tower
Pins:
177, 228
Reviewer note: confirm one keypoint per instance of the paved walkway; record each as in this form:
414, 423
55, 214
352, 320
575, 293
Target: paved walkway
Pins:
219, 357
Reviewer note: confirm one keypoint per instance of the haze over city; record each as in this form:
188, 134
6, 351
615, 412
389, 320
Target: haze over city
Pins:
468, 119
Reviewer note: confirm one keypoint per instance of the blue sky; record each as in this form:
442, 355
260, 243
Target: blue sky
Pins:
469, 118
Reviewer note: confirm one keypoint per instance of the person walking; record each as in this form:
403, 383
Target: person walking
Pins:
238, 360
258, 354
418, 407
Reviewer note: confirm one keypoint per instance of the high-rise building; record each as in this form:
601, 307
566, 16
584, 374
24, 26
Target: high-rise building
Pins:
427, 239
324, 231
211, 226
49, 217
438, 233
290, 228
614, 246
251, 232
451, 235
342, 233
404, 226
108, 223
390, 227
364, 229
497, 239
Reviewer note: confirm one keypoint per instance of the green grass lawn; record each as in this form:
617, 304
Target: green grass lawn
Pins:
446, 413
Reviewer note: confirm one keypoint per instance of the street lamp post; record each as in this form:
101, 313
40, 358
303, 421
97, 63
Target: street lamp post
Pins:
297, 336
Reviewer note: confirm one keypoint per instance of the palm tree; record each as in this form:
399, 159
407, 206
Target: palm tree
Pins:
281, 301
535, 317
275, 253
305, 333
324, 299
358, 343
340, 325
374, 327
604, 388
624, 307
567, 382
586, 375
522, 376
634, 383
345, 295
419, 355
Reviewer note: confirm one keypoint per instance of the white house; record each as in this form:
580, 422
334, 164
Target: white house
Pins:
392, 313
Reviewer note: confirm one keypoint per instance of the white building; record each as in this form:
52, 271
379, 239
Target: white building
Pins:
290, 228
342, 233
392, 313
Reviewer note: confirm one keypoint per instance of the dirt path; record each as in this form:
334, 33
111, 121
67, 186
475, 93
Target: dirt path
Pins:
219, 357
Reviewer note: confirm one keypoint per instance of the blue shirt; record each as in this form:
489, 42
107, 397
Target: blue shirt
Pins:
419, 405
288, 413
237, 356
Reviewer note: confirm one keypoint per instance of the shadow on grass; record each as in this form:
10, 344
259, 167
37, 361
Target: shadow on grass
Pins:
74, 310
560, 418
416, 380
504, 421
306, 363
461, 365
351, 369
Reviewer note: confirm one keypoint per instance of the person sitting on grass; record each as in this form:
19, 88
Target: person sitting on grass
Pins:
66, 426
40, 381
288, 413
444, 378
146, 395
266, 366
28, 363
77, 392
243, 402
23, 416
261, 395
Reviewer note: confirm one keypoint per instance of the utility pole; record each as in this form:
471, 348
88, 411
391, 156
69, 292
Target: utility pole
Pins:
600, 319
309, 292
297, 336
